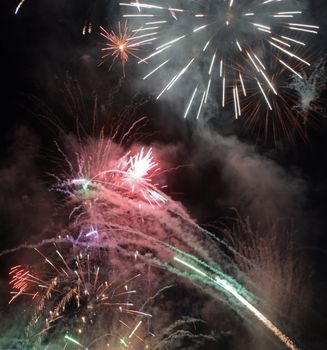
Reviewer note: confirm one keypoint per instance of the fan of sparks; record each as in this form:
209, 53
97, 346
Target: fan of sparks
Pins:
223, 47
77, 290
121, 45
131, 175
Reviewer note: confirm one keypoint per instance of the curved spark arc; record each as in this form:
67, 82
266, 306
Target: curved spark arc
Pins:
212, 40
20, 4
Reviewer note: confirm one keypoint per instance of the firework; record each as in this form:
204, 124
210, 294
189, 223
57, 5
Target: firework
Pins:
76, 304
126, 336
146, 231
106, 166
20, 4
24, 283
298, 104
309, 88
139, 170
221, 46
104, 186
281, 118
78, 290
123, 45
229, 289
87, 28
123, 338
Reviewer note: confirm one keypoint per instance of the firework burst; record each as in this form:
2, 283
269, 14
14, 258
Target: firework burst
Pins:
280, 118
73, 294
297, 105
102, 164
221, 46
104, 185
130, 174
122, 45
309, 88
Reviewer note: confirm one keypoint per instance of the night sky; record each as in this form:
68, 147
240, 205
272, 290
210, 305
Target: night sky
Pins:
44, 56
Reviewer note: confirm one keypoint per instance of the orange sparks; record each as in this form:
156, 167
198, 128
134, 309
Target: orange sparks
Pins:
120, 46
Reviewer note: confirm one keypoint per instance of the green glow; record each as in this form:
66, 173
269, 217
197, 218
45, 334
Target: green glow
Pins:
223, 283
69, 338
84, 183
212, 269
229, 289
199, 261
85, 186
122, 341
190, 266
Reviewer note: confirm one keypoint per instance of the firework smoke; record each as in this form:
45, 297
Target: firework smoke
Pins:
107, 191
309, 90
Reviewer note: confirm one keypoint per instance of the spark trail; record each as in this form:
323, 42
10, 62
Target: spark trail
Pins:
73, 294
122, 223
230, 290
103, 186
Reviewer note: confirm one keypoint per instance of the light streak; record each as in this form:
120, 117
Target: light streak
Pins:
207, 90
264, 95
230, 290
135, 329
241, 80
201, 104
190, 103
223, 98
290, 68
74, 341
212, 62
160, 65
19, 6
